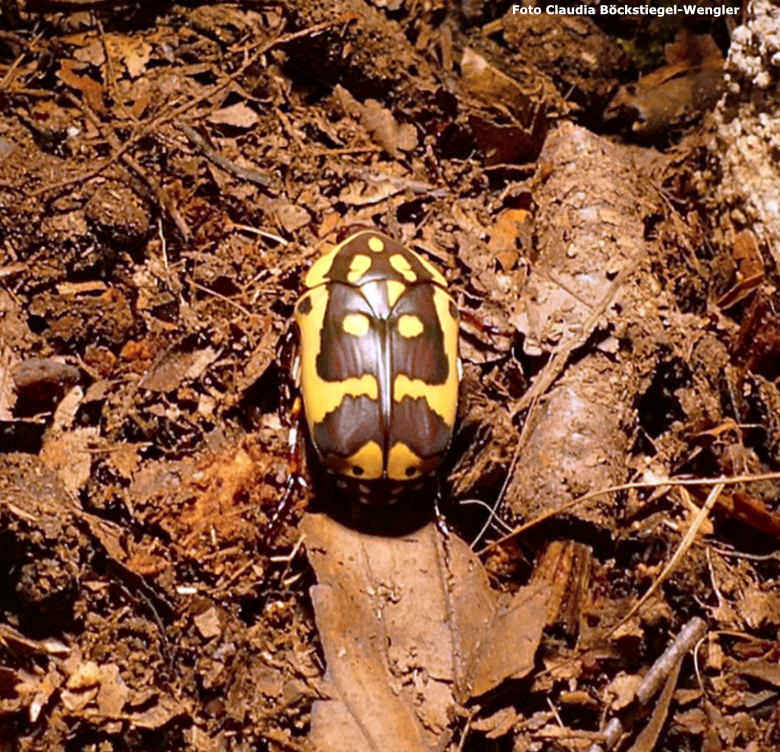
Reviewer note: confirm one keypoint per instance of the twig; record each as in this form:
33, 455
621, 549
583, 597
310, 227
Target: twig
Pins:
8, 77
466, 730
665, 669
243, 173
261, 233
689, 635
648, 736
555, 713
685, 544
160, 194
280, 40
113, 88
490, 510
556, 364
530, 422
725, 480
84, 176
742, 555
612, 732
223, 297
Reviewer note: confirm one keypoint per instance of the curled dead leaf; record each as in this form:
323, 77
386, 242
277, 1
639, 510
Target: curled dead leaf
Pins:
238, 115
379, 122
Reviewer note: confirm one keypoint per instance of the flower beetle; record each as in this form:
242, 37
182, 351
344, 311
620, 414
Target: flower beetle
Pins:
377, 366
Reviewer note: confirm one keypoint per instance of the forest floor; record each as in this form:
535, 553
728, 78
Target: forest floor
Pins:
167, 174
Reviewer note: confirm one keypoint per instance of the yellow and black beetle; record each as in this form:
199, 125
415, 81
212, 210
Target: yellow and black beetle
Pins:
377, 366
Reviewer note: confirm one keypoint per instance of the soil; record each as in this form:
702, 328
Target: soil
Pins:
172, 579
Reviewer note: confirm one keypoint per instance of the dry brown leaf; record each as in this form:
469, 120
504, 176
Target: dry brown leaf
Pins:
759, 608
487, 81
505, 234
291, 216
239, 115
76, 700
175, 365
34, 690
113, 692
208, 623
125, 458
86, 675
693, 49
359, 193
498, 724
262, 356
379, 122
68, 455
91, 89
693, 721
647, 738
768, 671
622, 690
92, 53
134, 53
157, 715
396, 669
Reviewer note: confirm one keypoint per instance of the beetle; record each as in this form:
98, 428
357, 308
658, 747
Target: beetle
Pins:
377, 369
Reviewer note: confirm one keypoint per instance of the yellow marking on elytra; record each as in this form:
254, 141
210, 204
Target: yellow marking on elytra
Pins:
316, 275
359, 265
399, 459
369, 459
436, 275
441, 398
355, 324
376, 244
410, 325
394, 291
321, 397
320, 268
401, 264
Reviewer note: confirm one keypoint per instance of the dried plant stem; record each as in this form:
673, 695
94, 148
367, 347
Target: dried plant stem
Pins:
685, 544
725, 480
689, 635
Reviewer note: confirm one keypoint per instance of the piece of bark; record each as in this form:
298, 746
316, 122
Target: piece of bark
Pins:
589, 290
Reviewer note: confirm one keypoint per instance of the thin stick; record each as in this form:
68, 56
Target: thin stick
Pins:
689, 635
243, 173
725, 480
685, 544
556, 364
225, 298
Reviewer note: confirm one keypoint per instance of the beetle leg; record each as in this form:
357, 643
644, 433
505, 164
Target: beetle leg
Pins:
295, 371
439, 518
290, 415
295, 474
287, 361
483, 326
